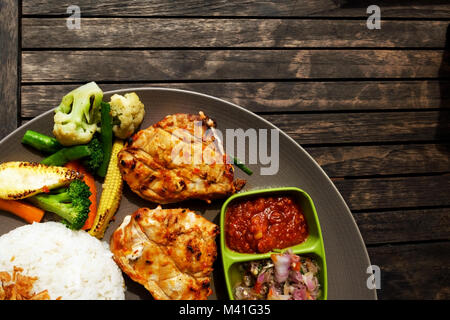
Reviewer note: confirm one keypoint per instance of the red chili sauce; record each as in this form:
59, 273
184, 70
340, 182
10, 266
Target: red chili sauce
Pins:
261, 224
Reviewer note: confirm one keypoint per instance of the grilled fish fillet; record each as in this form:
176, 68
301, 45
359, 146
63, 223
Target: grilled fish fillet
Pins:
169, 251
176, 159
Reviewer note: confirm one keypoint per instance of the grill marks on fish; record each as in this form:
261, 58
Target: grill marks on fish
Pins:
152, 171
176, 251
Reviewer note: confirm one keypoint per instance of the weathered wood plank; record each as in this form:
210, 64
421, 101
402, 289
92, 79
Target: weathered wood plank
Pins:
263, 8
345, 161
402, 192
364, 127
279, 96
404, 225
9, 29
173, 33
413, 271
158, 65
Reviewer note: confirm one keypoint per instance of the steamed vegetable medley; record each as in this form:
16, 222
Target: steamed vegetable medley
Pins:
79, 116
286, 276
88, 134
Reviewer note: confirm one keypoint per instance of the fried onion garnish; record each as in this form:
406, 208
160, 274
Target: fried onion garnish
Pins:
19, 287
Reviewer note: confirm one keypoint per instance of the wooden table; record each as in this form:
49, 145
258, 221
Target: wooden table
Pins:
371, 106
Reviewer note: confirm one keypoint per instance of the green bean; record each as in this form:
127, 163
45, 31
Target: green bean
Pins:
106, 137
41, 142
65, 155
242, 166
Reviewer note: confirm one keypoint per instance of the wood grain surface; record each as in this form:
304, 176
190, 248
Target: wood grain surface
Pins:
405, 225
261, 8
363, 127
413, 270
396, 159
9, 54
157, 65
212, 33
398, 192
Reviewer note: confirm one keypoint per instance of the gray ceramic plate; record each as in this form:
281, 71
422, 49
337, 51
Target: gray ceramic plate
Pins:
346, 255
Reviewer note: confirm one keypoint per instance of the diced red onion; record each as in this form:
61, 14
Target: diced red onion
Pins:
299, 293
282, 263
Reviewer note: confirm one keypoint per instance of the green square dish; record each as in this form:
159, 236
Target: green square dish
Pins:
312, 246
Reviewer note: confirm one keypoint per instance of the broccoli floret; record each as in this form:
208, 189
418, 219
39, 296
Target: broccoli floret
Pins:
77, 116
91, 153
70, 203
128, 112
95, 159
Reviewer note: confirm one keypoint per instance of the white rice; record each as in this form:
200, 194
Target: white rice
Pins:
70, 264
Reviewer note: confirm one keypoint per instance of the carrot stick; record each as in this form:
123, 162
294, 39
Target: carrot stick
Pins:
21, 209
90, 181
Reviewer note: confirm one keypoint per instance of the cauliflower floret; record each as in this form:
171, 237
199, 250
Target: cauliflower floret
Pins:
77, 115
128, 113
69, 133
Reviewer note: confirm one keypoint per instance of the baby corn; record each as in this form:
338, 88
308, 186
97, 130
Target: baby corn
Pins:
19, 180
111, 194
